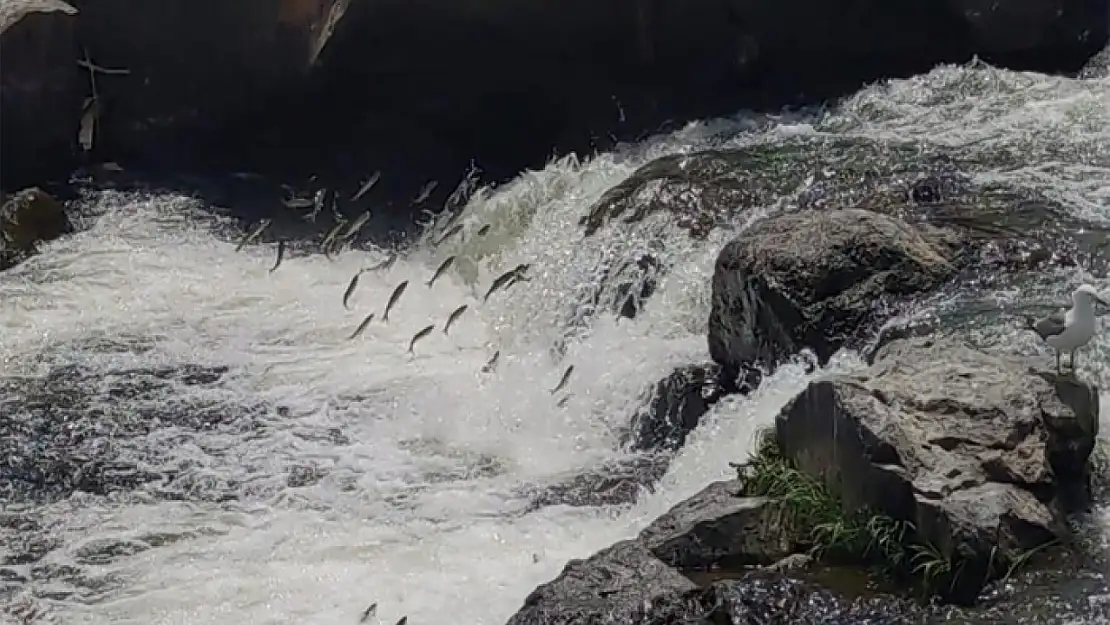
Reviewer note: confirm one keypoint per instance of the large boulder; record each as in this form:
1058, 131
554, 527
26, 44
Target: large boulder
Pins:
219, 85
983, 454
40, 91
815, 279
28, 218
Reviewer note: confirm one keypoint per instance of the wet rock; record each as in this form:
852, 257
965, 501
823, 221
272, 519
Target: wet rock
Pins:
767, 598
717, 527
40, 89
612, 587
677, 405
982, 453
612, 484
28, 218
814, 279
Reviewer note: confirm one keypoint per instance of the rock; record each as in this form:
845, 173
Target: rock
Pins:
767, 598
677, 404
776, 293
1012, 28
28, 218
194, 72
983, 454
293, 88
612, 484
716, 527
40, 90
613, 587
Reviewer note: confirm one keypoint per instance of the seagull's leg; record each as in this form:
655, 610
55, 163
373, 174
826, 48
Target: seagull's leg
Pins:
1057, 363
1074, 353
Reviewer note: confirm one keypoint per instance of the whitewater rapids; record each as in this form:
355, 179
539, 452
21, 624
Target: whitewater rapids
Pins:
421, 464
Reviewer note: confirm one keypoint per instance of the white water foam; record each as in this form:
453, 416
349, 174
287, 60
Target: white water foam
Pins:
420, 509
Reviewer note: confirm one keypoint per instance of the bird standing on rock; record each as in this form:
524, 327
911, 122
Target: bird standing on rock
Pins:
1068, 331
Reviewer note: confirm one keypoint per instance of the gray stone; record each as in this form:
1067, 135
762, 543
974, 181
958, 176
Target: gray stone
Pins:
716, 527
983, 454
814, 279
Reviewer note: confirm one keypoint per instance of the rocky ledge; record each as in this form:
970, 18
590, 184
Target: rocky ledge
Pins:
417, 89
942, 466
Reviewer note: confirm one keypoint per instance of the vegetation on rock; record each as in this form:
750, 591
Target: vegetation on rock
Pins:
835, 535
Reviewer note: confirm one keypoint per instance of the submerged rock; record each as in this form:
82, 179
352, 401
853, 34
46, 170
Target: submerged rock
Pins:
612, 587
612, 484
677, 405
814, 279
981, 453
718, 527
28, 218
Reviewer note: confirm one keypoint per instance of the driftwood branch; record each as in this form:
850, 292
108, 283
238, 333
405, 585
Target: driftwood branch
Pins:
94, 68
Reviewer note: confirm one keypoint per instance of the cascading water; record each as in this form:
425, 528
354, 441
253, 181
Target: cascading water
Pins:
193, 440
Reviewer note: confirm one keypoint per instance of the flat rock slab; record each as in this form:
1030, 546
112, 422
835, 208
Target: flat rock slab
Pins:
716, 527
614, 586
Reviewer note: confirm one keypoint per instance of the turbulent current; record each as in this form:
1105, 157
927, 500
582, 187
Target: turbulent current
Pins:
188, 438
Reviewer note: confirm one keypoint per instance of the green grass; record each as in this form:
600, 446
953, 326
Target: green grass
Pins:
865, 537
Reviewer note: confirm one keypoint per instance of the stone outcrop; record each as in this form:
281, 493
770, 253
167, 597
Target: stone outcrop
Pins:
341, 88
981, 453
28, 218
814, 279
676, 406
40, 90
718, 527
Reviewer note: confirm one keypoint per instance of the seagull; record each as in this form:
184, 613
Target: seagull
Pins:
1070, 330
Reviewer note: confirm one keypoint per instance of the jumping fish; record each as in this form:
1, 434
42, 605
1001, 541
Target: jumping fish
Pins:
426, 191
444, 266
425, 331
351, 288
318, 201
280, 255
457, 228
377, 175
361, 327
404, 621
484, 230
491, 364
330, 236
357, 225
298, 202
562, 403
465, 189
253, 234
369, 613
393, 299
563, 380
385, 264
455, 314
502, 281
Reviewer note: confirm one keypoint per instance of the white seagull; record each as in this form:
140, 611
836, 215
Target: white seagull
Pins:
1070, 330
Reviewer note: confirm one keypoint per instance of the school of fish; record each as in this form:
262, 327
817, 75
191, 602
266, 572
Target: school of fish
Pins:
341, 235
